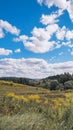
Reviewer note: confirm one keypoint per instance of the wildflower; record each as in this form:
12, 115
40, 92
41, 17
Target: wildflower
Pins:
24, 99
10, 94
38, 100
34, 97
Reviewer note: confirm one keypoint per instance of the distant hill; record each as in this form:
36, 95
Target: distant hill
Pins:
62, 81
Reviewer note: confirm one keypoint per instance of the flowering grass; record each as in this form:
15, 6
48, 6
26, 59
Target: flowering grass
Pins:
39, 109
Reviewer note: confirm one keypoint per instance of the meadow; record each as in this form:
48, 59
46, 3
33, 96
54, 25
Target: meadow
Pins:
24, 107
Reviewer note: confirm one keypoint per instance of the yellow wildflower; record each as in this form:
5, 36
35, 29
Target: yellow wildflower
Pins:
24, 99
10, 94
34, 97
38, 100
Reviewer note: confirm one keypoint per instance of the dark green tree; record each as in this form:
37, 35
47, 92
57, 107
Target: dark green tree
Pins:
54, 84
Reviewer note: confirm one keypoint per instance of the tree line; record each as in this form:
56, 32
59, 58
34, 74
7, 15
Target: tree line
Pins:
62, 81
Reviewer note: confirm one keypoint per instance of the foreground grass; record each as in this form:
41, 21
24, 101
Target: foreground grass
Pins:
28, 108
34, 120
26, 121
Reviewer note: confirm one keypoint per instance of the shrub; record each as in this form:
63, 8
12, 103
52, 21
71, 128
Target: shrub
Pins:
68, 85
54, 84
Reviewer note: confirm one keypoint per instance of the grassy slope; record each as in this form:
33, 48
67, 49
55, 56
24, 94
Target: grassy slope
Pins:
19, 89
34, 116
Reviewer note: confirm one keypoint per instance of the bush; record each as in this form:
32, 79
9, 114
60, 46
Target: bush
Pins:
68, 85
54, 85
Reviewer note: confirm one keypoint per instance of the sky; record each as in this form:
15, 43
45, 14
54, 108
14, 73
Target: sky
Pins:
36, 38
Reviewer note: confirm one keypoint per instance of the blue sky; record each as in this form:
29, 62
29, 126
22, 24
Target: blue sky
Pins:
36, 37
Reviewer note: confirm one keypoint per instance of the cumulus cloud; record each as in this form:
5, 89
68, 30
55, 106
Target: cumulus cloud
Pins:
64, 33
6, 26
61, 33
52, 29
4, 51
21, 38
61, 4
40, 40
70, 8
38, 46
58, 3
51, 18
32, 68
69, 34
17, 50
40, 33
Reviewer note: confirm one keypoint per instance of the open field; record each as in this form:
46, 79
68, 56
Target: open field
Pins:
25, 107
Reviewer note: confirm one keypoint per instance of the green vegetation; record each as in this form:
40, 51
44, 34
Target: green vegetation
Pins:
25, 107
58, 82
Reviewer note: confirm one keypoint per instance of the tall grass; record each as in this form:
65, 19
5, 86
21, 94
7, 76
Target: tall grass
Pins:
19, 115
36, 121
28, 108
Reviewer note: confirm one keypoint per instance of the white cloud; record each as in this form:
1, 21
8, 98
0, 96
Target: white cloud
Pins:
58, 45
52, 18
40, 33
21, 38
4, 25
64, 33
70, 8
58, 3
48, 19
40, 40
17, 50
69, 34
52, 29
38, 46
69, 44
63, 67
4, 51
1, 33
61, 4
61, 33
32, 68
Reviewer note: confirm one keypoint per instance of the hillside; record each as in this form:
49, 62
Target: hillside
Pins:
20, 89
57, 82
24, 107
7, 87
